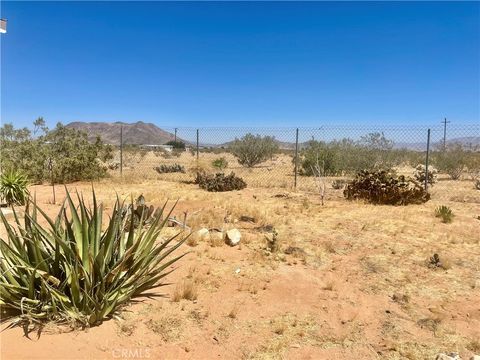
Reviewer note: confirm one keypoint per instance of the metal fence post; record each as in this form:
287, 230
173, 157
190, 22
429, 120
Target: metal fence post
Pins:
296, 160
175, 134
121, 150
197, 146
426, 160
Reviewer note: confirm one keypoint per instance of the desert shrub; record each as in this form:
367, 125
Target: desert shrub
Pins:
220, 163
445, 213
72, 155
176, 145
473, 165
252, 150
385, 187
339, 184
419, 174
318, 152
14, 188
220, 182
133, 154
341, 157
452, 161
175, 168
71, 270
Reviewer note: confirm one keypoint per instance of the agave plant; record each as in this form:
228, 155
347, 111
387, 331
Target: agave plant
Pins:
13, 188
74, 271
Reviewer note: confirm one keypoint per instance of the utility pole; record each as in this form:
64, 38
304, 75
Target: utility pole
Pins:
3, 30
175, 134
426, 160
121, 150
445, 122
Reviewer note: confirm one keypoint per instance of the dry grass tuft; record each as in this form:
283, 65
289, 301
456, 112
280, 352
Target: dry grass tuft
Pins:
430, 323
187, 290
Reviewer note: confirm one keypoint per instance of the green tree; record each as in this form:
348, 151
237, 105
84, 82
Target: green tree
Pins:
319, 153
252, 150
176, 145
72, 155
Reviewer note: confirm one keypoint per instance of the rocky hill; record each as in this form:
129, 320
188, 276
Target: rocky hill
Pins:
136, 133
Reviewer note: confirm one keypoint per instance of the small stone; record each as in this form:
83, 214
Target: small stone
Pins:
451, 356
232, 237
203, 233
475, 357
8, 213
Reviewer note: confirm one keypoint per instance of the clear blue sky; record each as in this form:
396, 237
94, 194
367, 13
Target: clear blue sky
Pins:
241, 64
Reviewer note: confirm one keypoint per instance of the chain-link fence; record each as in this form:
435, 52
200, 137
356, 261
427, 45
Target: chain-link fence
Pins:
339, 152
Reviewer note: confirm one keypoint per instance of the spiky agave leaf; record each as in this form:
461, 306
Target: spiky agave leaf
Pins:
14, 188
71, 269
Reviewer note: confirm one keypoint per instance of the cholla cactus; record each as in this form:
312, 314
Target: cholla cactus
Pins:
419, 174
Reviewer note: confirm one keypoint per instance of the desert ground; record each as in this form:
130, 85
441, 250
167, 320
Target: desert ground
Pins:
348, 281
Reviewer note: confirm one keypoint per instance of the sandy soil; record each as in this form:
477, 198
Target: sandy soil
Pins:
355, 286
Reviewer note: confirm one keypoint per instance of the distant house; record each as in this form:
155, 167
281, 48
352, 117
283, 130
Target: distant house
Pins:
168, 148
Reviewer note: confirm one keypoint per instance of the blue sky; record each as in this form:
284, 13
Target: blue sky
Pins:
241, 64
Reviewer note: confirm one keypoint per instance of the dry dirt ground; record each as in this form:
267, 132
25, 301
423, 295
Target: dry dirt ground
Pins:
349, 281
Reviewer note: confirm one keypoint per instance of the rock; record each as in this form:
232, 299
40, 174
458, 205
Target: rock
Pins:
475, 357
7, 213
295, 251
202, 234
232, 237
451, 356
247, 218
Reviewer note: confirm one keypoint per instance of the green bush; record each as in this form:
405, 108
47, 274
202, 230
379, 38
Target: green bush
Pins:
445, 213
69, 152
372, 152
162, 169
176, 145
220, 163
252, 150
14, 188
453, 161
385, 187
74, 271
318, 153
419, 174
220, 182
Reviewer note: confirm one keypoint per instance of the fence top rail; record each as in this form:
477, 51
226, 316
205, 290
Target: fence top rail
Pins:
331, 127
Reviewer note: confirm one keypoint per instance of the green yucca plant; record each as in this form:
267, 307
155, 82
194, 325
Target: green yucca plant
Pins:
73, 271
14, 188
445, 213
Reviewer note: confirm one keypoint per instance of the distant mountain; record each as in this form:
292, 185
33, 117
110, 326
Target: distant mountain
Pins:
138, 133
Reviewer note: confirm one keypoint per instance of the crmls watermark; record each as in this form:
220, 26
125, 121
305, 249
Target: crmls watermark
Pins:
131, 353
